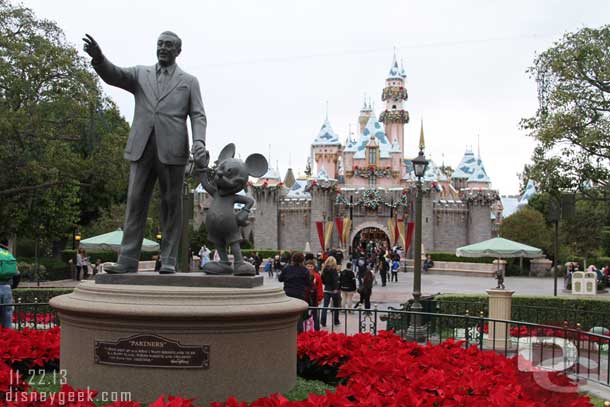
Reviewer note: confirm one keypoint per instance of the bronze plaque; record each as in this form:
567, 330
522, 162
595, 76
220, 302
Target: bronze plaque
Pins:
148, 350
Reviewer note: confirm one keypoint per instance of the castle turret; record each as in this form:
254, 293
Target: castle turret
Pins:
326, 149
394, 95
365, 114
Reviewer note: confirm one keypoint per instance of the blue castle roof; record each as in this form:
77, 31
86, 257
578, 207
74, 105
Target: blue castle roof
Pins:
372, 128
466, 167
326, 136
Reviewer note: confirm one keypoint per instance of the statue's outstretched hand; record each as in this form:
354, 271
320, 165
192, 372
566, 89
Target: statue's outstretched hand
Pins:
201, 155
92, 48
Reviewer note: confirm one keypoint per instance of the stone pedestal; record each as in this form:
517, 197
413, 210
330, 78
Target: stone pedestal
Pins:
207, 343
500, 307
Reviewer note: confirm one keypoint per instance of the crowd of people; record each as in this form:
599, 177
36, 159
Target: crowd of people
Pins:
326, 280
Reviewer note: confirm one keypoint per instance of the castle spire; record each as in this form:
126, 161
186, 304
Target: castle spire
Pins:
422, 144
479, 146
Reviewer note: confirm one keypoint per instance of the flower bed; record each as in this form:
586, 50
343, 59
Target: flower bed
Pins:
373, 371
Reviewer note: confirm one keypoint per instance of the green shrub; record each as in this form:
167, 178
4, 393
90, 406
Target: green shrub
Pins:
264, 253
588, 312
29, 272
103, 255
56, 269
43, 295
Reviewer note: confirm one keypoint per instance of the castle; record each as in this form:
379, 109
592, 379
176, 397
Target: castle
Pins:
365, 189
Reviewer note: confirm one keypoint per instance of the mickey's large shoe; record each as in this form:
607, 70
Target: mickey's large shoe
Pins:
218, 268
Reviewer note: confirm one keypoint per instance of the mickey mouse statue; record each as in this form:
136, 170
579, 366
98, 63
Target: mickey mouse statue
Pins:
223, 182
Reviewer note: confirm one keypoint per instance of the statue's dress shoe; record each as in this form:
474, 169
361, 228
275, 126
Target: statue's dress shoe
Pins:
117, 268
167, 270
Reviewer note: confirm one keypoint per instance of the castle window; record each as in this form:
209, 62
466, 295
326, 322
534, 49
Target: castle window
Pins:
373, 156
372, 181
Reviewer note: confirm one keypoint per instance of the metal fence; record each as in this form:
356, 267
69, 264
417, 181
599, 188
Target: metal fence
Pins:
580, 354
33, 315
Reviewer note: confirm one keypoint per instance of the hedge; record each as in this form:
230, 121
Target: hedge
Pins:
56, 269
103, 255
27, 295
588, 312
443, 256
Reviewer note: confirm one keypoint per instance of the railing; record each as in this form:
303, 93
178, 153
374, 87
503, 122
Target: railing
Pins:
526, 313
582, 354
578, 353
34, 315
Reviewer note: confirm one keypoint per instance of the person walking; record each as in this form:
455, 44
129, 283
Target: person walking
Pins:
317, 280
395, 267
204, 256
383, 268
277, 265
366, 290
330, 280
9, 279
79, 264
256, 262
158, 144
347, 282
297, 281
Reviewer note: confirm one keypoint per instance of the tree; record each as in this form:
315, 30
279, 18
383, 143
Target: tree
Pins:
528, 226
60, 159
572, 124
583, 232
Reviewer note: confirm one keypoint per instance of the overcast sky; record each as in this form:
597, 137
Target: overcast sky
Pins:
267, 68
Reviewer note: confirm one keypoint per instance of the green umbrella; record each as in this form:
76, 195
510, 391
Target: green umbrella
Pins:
498, 247
112, 241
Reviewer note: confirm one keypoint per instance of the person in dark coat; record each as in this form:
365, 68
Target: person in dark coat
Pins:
347, 282
383, 267
296, 279
366, 290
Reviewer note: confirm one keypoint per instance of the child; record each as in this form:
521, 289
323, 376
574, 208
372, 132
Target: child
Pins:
395, 267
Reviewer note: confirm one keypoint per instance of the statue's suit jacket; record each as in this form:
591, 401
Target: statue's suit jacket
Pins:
164, 112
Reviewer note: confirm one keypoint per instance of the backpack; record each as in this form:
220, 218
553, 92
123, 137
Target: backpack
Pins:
8, 265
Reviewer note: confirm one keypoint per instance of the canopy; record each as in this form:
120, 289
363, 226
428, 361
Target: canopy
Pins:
112, 241
498, 247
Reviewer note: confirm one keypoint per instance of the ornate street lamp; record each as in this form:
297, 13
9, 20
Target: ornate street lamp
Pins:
158, 234
416, 330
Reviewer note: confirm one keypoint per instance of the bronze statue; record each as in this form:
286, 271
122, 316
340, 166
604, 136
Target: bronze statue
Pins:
157, 145
223, 183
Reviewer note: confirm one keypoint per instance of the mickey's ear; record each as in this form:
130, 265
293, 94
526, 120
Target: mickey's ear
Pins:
227, 152
256, 164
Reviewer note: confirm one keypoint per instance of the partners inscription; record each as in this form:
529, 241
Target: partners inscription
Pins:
148, 350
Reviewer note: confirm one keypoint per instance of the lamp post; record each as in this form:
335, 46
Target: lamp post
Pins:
416, 330
158, 235
75, 238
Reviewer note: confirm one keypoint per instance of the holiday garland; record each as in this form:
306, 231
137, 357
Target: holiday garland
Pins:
369, 171
479, 196
395, 93
400, 116
372, 199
